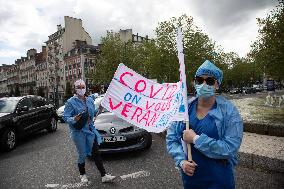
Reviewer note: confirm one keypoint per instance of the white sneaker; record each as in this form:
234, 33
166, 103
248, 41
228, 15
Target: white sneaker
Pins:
84, 178
108, 178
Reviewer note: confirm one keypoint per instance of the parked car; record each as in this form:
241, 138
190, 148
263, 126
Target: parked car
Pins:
235, 91
249, 90
59, 113
119, 135
21, 116
97, 100
258, 88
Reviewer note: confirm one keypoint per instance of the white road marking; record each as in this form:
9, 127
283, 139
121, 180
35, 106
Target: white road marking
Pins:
135, 175
74, 185
51, 185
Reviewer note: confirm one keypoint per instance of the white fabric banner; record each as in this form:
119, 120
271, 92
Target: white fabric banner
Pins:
142, 102
182, 114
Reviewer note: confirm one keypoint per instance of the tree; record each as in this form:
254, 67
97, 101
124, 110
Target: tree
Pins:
267, 50
197, 48
112, 53
157, 58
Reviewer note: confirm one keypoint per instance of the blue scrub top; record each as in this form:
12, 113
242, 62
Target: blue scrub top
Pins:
85, 137
210, 173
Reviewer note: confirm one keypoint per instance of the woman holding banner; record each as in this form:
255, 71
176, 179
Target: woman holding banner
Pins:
79, 114
215, 135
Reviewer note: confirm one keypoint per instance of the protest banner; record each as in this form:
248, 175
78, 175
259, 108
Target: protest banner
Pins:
140, 101
182, 114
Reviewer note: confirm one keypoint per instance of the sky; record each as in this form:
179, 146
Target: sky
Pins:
27, 24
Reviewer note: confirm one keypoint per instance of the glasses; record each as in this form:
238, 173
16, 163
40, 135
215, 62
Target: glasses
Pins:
209, 80
80, 87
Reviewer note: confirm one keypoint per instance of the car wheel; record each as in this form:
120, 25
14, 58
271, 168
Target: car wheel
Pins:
52, 125
148, 140
8, 139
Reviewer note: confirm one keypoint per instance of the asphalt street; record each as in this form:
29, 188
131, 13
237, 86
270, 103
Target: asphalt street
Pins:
48, 160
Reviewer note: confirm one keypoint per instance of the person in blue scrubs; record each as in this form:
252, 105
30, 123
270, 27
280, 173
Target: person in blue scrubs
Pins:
215, 135
86, 139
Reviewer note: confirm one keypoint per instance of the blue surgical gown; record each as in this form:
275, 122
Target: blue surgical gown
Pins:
221, 145
85, 137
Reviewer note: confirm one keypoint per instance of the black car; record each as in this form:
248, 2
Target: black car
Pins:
20, 116
119, 135
235, 91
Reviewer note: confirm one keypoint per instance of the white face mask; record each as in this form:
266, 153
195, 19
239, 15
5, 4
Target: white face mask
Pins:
81, 92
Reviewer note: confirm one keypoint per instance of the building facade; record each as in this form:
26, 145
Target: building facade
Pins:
27, 74
128, 36
42, 74
58, 44
67, 56
13, 78
4, 91
80, 63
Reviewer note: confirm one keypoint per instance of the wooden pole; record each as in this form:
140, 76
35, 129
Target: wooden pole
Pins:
184, 87
189, 156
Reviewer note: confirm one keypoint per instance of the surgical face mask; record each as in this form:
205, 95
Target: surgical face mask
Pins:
81, 92
204, 90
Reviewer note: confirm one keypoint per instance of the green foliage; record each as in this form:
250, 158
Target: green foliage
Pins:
157, 58
113, 52
197, 48
267, 51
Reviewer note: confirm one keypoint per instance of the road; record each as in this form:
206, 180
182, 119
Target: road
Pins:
48, 160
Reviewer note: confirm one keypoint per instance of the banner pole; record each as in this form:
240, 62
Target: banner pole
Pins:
183, 83
189, 156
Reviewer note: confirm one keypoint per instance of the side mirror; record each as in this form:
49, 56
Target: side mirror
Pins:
23, 109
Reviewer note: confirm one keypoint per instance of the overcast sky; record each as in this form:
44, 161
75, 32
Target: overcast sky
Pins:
27, 24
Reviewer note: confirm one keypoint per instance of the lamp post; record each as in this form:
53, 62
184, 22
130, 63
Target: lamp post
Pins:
55, 96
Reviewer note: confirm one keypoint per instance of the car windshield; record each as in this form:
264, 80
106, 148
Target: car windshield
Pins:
7, 105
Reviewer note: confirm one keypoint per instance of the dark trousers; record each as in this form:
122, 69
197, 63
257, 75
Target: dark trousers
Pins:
98, 161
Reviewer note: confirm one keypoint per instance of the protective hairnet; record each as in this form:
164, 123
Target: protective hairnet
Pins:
208, 68
79, 82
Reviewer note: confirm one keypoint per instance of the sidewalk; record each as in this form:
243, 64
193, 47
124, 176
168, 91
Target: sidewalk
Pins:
262, 152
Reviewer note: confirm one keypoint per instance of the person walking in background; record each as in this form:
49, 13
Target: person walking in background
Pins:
79, 114
215, 135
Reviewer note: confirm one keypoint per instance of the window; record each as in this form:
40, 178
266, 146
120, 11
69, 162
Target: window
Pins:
38, 102
25, 102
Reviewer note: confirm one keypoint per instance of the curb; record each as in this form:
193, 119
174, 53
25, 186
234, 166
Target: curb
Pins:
264, 129
254, 161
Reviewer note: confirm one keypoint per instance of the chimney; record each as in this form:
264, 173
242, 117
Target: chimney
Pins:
59, 27
44, 51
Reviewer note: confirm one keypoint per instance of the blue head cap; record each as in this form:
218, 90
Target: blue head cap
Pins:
208, 68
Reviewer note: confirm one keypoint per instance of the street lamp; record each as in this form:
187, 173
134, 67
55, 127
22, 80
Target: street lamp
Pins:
55, 96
